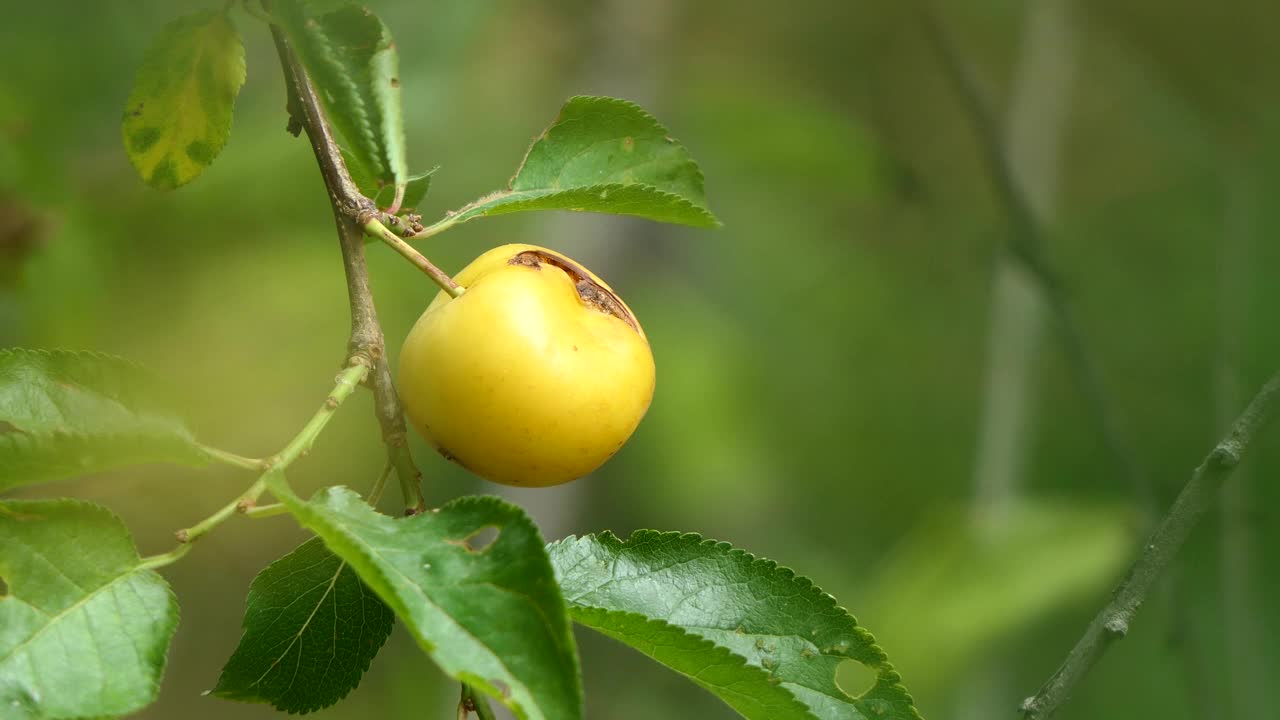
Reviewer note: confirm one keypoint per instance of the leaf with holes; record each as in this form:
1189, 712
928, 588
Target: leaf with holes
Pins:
609, 156
84, 628
178, 116
490, 614
763, 639
68, 413
311, 628
352, 60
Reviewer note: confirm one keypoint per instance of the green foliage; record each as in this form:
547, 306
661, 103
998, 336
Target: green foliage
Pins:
178, 116
491, 616
84, 628
415, 188
763, 639
67, 413
311, 627
352, 60
609, 156
938, 581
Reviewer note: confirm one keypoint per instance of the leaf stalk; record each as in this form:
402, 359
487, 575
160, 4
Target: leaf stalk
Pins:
243, 504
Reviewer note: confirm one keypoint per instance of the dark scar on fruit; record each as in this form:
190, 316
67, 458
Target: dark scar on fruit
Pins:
591, 292
453, 459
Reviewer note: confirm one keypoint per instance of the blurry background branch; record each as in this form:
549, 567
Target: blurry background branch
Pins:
1026, 151
1247, 675
1196, 498
1027, 239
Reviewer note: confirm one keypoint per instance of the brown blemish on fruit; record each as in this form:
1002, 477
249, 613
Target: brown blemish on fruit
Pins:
444, 453
591, 292
529, 258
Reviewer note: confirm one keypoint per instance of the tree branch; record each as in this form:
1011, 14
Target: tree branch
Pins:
1195, 499
1027, 243
351, 210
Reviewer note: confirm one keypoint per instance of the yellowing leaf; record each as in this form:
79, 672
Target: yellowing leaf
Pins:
179, 114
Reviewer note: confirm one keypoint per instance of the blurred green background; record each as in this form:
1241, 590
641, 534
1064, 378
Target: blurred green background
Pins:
853, 377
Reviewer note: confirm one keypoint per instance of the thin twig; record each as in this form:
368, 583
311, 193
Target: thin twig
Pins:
246, 463
1027, 244
258, 512
1195, 499
351, 210
300, 445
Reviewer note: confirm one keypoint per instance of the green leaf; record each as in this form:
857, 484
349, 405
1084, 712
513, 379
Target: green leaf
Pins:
352, 60
311, 628
763, 639
178, 116
67, 413
489, 614
360, 175
83, 629
609, 156
416, 189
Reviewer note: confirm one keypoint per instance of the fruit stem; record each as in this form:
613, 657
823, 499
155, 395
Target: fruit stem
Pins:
375, 228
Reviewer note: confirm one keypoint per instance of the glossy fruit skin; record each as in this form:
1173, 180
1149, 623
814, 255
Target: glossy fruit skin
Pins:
520, 379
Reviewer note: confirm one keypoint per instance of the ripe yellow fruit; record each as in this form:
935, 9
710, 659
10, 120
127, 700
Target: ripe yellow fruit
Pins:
535, 376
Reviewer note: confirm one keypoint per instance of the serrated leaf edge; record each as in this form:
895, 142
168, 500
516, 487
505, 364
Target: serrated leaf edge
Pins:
343, 564
885, 671
476, 208
285, 494
135, 568
720, 650
372, 131
144, 374
606, 100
